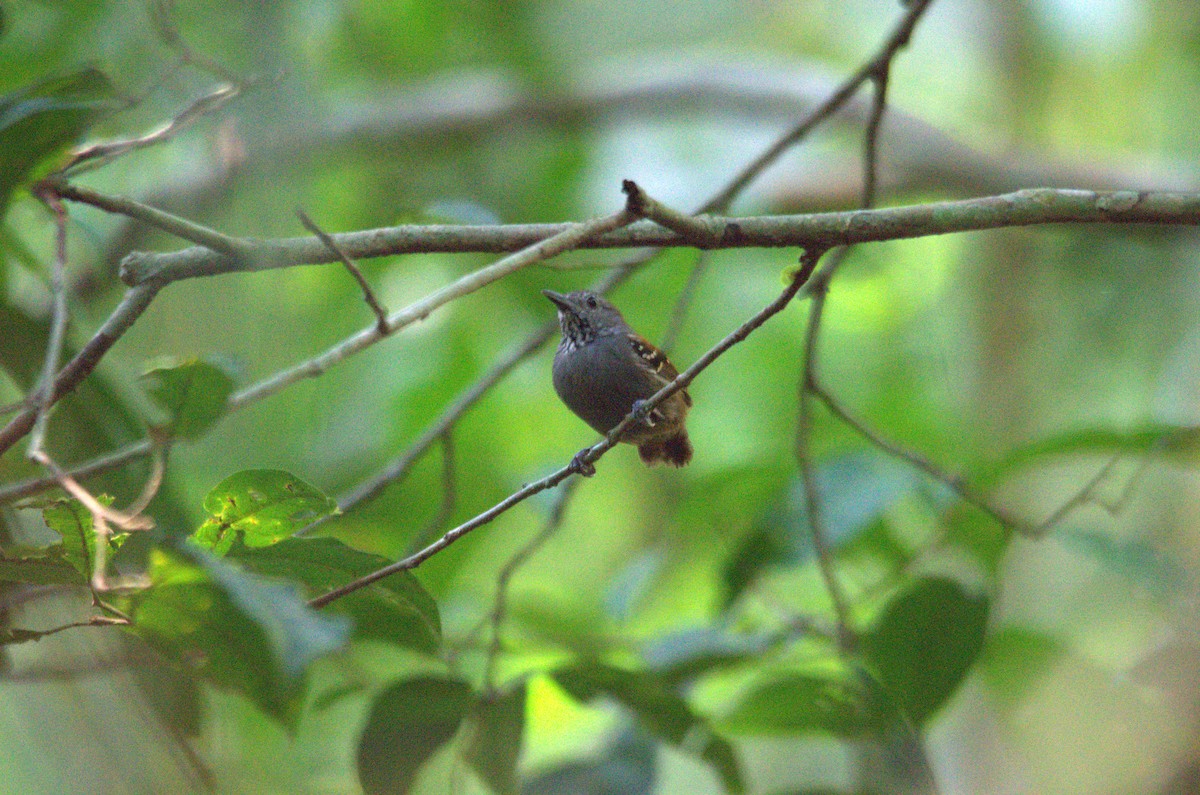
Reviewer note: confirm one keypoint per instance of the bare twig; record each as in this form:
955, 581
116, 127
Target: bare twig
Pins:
694, 230
819, 289
895, 42
569, 238
96, 155
97, 466
878, 71
101, 516
506, 573
449, 496
381, 322
954, 482
162, 14
1086, 494
215, 242
589, 455
43, 396
93, 621
683, 303
871, 139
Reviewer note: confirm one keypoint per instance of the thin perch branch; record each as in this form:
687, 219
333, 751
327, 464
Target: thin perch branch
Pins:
589, 455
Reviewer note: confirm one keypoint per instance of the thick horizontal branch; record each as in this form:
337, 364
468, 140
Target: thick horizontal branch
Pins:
1022, 208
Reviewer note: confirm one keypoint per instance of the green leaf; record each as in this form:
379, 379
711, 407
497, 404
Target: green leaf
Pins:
39, 121
498, 726
263, 506
1015, 658
396, 609
193, 393
625, 768
806, 702
684, 655
237, 629
408, 723
71, 520
38, 566
1133, 558
65, 562
659, 708
855, 490
1180, 442
923, 644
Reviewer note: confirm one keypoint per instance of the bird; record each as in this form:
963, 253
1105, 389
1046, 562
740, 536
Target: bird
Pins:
603, 370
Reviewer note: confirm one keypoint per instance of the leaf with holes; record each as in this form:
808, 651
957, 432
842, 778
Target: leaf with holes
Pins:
262, 506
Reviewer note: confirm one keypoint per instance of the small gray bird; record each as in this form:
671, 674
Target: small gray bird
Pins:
603, 368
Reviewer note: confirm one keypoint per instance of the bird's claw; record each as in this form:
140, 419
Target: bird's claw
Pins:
581, 465
641, 413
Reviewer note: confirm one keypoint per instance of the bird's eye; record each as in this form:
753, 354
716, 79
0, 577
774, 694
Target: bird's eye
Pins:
591, 302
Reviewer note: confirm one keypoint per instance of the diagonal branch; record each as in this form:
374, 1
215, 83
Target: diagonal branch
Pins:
135, 302
214, 242
894, 43
589, 455
569, 238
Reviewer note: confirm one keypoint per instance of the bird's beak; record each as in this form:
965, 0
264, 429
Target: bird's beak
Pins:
560, 300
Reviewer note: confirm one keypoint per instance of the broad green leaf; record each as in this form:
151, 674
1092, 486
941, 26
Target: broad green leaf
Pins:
396, 609
71, 520
47, 565
921, 647
497, 729
66, 562
1015, 658
854, 491
627, 767
684, 655
39, 121
408, 723
192, 393
1179, 442
659, 708
1133, 558
263, 506
805, 702
237, 629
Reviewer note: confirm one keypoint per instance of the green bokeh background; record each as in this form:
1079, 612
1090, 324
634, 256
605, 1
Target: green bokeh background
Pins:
964, 348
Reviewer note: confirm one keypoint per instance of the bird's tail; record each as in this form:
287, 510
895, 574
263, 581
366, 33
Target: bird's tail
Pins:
674, 450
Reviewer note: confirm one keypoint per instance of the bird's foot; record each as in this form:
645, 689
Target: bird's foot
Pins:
643, 414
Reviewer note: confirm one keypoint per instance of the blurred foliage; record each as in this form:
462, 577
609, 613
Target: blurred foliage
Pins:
674, 633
